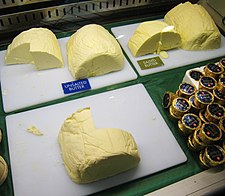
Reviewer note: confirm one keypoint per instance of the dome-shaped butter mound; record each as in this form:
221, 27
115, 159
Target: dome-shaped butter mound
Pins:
91, 154
38, 46
195, 26
153, 37
93, 51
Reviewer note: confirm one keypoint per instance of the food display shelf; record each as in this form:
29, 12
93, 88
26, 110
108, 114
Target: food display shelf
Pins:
15, 3
64, 17
156, 85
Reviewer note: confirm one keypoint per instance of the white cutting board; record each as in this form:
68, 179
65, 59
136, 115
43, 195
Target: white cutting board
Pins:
23, 86
177, 57
36, 163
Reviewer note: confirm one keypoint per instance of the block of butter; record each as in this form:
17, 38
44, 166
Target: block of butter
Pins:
195, 26
153, 37
38, 46
93, 51
91, 154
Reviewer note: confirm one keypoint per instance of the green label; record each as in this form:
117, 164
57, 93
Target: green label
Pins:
150, 63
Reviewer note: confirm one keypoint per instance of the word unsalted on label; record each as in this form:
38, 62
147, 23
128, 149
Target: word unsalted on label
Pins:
76, 86
150, 63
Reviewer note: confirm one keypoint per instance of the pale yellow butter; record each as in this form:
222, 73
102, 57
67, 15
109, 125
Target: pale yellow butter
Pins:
38, 46
93, 51
195, 26
153, 37
163, 54
91, 154
34, 130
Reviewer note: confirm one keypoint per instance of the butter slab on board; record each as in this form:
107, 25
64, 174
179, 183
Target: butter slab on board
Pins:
36, 163
23, 86
177, 57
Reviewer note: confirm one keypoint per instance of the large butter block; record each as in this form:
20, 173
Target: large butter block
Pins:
153, 37
93, 51
195, 26
91, 154
38, 46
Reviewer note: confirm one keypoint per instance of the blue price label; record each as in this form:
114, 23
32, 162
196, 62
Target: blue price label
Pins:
76, 86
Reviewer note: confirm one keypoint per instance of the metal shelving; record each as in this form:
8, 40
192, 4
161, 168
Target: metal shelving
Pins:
14, 3
60, 16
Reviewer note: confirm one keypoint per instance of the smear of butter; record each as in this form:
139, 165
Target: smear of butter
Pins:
4, 92
164, 54
34, 130
168, 28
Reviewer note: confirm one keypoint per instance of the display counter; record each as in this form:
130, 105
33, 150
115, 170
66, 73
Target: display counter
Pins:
155, 84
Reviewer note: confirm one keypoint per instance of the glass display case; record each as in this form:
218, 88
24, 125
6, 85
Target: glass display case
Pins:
119, 17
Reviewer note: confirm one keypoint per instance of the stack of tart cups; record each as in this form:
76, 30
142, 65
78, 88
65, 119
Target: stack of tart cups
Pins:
200, 113
3, 166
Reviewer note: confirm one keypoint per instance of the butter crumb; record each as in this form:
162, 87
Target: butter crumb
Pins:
34, 130
163, 54
4, 92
